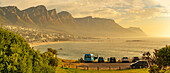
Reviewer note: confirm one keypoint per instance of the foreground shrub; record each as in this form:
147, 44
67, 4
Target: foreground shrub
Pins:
17, 56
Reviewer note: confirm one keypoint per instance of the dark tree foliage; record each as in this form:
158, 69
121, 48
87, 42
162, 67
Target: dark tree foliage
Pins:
53, 61
16, 56
51, 50
163, 57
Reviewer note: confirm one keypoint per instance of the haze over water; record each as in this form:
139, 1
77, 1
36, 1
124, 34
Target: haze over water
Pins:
114, 47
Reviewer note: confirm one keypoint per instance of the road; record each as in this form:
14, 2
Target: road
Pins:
102, 65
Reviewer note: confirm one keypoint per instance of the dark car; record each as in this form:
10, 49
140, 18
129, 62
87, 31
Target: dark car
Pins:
125, 60
112, 60
135, 59
139, 64
100, 59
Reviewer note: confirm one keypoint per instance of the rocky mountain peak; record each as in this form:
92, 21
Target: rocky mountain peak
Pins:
52, 12
64, 13
37, 9
66, 17
14, 7
41, 7
10, 9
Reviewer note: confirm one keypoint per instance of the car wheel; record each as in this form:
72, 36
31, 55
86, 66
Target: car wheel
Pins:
133, 67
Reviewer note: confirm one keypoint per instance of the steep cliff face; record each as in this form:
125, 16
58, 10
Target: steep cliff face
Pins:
51, 21
5, 21
53, 14
25, 17
39, 15
15, 16
66, 17
11, 13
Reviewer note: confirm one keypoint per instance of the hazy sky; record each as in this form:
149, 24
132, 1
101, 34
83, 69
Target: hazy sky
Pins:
152, 16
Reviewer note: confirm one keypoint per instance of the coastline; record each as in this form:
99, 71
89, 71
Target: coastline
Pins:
33, 44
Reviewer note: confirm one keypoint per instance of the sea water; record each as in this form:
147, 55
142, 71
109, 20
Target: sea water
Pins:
107, 47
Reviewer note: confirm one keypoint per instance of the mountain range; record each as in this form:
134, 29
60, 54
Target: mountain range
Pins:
50, 21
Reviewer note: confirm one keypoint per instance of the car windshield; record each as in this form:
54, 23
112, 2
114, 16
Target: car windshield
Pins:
87, 56
136, 58
125, 57
100, 57
112, 58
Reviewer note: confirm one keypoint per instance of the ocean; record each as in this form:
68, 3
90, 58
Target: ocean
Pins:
107, 47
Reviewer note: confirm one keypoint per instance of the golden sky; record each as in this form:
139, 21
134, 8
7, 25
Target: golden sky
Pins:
152, 16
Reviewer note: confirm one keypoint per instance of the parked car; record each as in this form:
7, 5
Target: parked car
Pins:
88, 58
135, 59
112, 60
100, 59
139, 64
125, 60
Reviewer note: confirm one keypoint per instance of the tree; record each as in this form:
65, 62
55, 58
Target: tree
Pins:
163, 57
50, 56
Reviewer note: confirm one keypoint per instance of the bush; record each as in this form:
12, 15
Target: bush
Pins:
17, 56
154, 69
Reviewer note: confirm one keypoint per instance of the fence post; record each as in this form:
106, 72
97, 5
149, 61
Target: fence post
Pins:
119, 68
76, 67
87, 68
97, 67
140, 67
62, 66
109, 68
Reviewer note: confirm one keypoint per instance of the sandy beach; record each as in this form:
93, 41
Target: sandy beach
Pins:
45, 43
33, 44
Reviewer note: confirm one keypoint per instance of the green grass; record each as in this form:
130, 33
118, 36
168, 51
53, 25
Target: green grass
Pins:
72, 70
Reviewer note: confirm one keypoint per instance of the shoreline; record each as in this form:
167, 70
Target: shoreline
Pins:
33, 44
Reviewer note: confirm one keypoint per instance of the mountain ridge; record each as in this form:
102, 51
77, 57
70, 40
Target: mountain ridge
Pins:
51, 21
